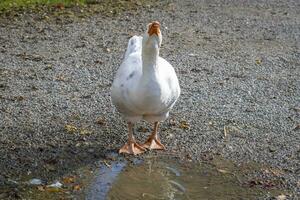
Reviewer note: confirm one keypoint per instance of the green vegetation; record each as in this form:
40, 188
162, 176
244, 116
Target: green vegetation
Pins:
70, 8
17, 4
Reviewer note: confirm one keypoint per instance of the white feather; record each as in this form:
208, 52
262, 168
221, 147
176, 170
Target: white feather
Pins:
145, 86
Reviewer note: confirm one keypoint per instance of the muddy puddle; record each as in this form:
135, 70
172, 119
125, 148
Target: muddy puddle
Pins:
155, 178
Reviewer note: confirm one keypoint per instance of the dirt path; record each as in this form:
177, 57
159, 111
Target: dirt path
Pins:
238, 65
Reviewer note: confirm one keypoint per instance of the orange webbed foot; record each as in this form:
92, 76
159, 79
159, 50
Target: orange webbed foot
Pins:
154, 143
132, 148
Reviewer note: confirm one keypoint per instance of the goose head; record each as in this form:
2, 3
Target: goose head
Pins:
152, 38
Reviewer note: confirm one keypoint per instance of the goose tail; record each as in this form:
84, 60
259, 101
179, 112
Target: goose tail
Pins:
134, 45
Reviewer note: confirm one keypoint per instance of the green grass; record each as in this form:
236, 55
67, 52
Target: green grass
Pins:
15, 8
16, 4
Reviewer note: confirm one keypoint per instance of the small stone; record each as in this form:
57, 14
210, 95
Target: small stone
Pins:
35, 181
91, 150
281, 197
272, 149
57, 184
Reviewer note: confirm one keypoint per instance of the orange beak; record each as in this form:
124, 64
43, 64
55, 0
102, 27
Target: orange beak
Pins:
154, 28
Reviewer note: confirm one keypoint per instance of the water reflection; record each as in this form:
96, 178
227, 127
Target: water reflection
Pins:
155, 178
168, 179
104, 180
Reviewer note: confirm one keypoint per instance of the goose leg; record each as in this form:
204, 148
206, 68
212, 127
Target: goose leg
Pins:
153, 142
131, 147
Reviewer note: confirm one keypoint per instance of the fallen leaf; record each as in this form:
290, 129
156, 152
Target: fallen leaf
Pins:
41, 188
184, 125
222, 171
69, 179
101, 121
85, 132
225, 131
70, 128
258, 61
60, 6
77, 187
52, 189
108, 165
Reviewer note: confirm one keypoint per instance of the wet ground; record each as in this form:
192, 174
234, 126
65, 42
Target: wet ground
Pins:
157, 177
238, 67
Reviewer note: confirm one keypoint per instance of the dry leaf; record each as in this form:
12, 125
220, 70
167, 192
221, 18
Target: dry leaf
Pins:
53, 189
222, 171
184, 125
108, 165
225, 131
60, 6
101, 121
85, 132
69, 179
77, 187
70, 128
41, 188
258, 61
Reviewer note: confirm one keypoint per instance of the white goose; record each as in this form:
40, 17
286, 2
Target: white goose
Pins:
145, 87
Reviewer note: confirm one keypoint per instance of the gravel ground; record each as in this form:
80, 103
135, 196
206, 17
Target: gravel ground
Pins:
238, 66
